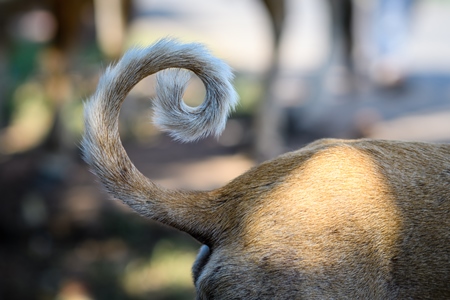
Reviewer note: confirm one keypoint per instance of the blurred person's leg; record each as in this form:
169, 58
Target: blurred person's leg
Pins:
342, 42
342, 29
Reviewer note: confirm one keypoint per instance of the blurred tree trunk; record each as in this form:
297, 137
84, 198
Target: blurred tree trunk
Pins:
111, 18
55, 64
112, 15
269, 117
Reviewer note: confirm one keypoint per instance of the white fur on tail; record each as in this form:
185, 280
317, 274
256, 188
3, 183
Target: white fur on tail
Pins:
186, 123
101, 143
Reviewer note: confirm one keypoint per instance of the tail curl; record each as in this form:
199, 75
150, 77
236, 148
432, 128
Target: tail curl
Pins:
102, 148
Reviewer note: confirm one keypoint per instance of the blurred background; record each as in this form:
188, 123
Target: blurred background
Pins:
305, 69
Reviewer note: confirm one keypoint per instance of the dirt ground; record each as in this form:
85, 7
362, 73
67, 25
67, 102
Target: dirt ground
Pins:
63, 238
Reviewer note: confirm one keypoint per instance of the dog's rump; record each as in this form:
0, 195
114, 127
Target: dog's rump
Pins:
368, 214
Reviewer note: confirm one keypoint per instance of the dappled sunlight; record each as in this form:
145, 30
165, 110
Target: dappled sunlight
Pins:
335, 209
31, 120
167, 268
73, 289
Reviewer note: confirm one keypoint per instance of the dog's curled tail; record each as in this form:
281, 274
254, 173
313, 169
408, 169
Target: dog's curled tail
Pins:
102, 148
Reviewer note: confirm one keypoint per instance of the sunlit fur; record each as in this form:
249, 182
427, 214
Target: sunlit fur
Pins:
337, 219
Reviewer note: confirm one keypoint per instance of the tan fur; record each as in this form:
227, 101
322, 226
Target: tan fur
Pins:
362, 219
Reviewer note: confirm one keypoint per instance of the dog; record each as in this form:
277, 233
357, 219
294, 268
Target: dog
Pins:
337, 219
